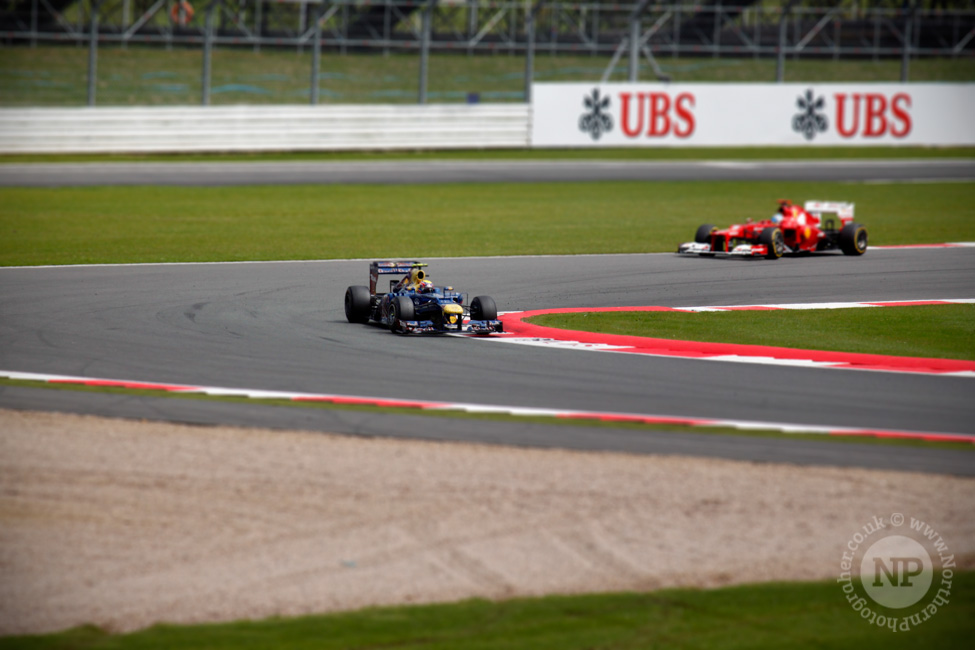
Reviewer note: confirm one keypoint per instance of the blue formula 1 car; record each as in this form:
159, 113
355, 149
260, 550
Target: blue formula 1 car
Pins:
414, 305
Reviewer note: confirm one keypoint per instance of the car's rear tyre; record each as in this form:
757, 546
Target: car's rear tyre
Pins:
853, 239
703, 234
401, 309
774, 243
357, 304
484, 308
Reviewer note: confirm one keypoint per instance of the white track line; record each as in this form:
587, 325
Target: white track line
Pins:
463, 407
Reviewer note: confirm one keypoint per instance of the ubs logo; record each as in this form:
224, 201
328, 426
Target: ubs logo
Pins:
596, 121
810, 120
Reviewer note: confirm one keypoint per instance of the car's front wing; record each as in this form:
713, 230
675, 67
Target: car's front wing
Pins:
741, 250
479, 327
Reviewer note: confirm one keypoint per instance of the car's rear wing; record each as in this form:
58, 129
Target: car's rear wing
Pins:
389, 267
841, 209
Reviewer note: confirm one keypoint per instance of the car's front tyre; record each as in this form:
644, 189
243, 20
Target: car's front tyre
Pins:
484, 308
357, 304
401, 309
703, 234
774, 243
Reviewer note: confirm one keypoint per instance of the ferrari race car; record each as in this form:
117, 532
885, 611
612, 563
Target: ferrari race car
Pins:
817, 226
414, 305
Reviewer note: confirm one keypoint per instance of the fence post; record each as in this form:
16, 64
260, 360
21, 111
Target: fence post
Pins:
780, 52
208, 50
93, 50
258, 23
716, 38
33, 23
634, 66
425, 49
317, 52
908, 40
530, 48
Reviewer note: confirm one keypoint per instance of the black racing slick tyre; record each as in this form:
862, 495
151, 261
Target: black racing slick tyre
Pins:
853, 239
774, 242
484, 308
401, 309
703, 234
357, 304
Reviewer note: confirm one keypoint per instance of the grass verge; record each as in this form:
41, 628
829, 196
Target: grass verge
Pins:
776, 615
204, 224
933, 331
629, 154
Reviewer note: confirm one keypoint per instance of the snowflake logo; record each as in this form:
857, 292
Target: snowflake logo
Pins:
810, 121
595, 121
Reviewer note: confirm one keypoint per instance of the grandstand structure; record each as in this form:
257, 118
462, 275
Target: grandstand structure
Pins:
852, 28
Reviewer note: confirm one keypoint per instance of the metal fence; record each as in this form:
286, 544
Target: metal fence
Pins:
642, 31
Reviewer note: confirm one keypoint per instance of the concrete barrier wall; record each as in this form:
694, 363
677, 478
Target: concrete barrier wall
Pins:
263, 128
562, 115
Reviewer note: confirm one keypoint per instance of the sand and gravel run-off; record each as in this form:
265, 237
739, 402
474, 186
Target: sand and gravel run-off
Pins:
123, 524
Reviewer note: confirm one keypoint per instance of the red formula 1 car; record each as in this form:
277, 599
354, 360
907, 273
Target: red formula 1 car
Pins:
817, 226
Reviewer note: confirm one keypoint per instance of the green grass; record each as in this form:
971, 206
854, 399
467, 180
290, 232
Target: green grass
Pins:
934, 331
197, 224
632, 153
774, 616
52, 75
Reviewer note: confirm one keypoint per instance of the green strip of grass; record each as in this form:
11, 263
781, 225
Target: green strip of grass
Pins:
499, 417
933, 331
775, 616
200, 224
632, 153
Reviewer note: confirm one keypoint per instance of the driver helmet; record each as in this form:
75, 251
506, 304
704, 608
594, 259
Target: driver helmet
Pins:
425, 287
783, 211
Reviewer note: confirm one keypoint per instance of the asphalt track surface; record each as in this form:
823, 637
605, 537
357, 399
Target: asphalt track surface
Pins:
281, 326
477, 171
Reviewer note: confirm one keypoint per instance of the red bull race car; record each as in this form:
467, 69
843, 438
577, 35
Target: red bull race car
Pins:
414, 305
816, 226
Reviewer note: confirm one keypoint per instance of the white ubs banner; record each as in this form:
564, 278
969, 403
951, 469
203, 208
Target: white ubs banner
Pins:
716, 114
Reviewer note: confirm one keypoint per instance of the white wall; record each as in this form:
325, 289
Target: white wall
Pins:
263, 128
633, 115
